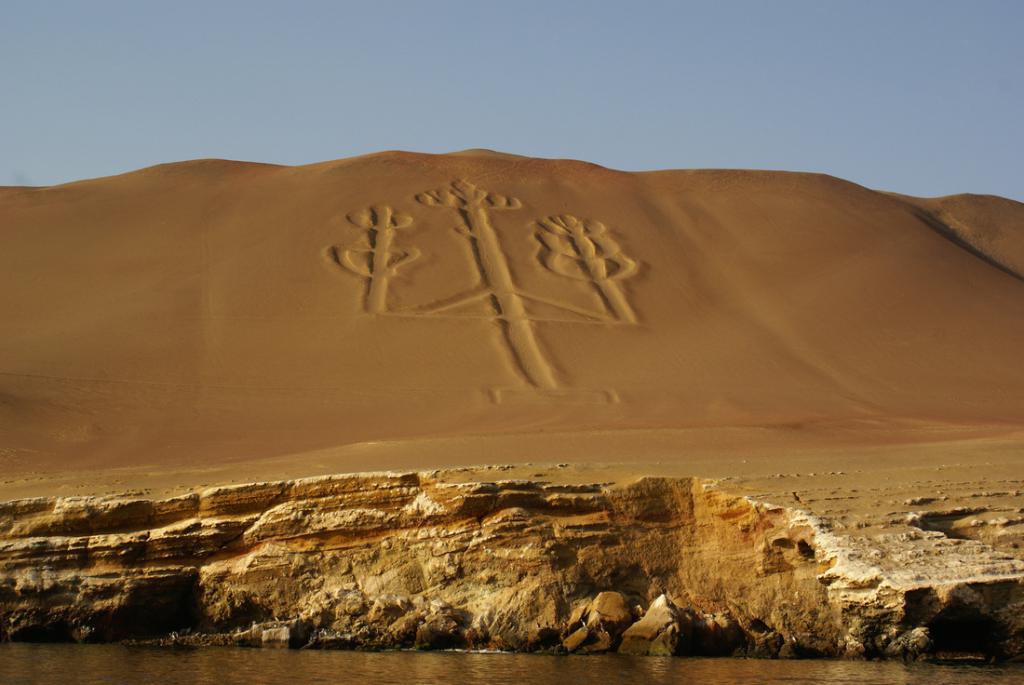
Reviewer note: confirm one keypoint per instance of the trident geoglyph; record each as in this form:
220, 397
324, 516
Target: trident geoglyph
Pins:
575, 248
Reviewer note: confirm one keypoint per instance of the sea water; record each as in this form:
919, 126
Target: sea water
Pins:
65, 664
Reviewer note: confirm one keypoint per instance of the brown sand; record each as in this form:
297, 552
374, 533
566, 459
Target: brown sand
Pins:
215, 321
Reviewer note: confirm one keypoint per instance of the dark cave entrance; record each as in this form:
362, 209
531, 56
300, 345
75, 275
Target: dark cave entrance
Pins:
963, 634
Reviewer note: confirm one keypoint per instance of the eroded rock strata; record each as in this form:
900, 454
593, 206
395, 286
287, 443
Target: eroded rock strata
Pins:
658, 566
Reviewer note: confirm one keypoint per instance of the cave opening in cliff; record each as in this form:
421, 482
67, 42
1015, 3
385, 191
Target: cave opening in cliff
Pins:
962, 634
55, 632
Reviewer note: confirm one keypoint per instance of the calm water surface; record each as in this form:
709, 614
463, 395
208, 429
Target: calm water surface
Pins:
114, 664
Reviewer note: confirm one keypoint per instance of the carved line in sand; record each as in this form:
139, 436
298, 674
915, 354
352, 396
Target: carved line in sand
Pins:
583, 250
571, 247
375, 256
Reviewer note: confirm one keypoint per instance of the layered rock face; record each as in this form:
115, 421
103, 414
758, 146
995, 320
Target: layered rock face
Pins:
659, 566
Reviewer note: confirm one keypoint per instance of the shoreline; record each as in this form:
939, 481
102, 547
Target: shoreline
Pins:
439, 559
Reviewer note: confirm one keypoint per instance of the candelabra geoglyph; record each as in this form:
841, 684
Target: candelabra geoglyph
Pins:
571, 247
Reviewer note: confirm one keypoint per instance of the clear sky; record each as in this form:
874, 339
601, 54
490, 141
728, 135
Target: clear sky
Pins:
918, 96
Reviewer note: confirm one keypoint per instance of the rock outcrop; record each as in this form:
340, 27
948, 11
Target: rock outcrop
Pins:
661, 632
597, 626
658, 566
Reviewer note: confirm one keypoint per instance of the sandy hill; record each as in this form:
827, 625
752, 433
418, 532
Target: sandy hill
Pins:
214, 311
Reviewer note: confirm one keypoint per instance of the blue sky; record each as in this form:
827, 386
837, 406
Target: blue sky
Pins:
918, 96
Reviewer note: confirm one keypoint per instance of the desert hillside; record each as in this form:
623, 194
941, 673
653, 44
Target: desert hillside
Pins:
213, 311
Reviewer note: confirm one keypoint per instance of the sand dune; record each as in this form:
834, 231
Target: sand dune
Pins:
209, 312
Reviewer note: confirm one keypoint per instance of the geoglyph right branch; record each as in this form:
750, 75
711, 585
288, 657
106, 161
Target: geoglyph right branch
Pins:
582, 249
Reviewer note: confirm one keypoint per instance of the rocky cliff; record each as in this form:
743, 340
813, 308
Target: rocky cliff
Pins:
655, 566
